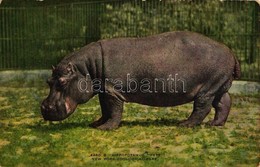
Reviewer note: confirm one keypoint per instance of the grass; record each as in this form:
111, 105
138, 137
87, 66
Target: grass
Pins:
148, 136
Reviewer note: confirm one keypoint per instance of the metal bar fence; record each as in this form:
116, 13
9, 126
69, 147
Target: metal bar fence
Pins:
37, 37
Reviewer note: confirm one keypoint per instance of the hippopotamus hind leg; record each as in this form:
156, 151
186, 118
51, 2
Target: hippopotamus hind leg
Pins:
201, 109
222, 106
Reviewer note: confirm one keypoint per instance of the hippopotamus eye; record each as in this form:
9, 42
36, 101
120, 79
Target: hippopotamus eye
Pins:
62, 81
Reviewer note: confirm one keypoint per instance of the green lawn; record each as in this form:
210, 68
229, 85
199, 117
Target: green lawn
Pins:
148, 136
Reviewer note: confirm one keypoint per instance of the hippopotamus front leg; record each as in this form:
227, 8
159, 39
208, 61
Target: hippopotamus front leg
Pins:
104, 117
112, 109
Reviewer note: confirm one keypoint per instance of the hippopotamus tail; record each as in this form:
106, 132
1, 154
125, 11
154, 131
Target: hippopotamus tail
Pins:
237, 71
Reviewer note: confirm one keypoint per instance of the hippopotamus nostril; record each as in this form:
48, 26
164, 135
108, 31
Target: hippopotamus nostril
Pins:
51, 107
47, 107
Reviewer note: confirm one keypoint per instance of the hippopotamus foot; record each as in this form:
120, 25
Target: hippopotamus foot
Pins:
98, 122
201, 109
106, 124
112, 109
222, 106
188, 123
109, 125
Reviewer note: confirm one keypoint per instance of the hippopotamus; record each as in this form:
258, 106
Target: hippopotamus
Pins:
163, 70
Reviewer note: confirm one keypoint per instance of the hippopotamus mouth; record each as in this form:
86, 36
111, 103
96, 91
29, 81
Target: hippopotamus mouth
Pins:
59, 111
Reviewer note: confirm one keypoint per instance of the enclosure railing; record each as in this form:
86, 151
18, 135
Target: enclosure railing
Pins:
37, 37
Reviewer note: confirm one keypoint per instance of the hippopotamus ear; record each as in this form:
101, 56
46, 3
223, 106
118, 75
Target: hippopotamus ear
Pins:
70, 68
53, 67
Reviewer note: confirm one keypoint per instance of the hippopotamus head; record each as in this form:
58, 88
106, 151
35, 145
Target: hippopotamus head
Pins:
64, 95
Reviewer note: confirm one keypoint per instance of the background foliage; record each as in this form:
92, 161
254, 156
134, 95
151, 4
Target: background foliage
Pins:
36, 37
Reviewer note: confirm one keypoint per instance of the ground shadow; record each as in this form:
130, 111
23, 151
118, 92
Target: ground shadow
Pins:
53, 127
149, 122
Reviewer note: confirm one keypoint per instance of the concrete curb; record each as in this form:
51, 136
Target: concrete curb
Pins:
238, 87
245, 87
8, 76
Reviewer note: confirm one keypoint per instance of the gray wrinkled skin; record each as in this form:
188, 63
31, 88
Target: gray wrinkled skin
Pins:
207, 67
